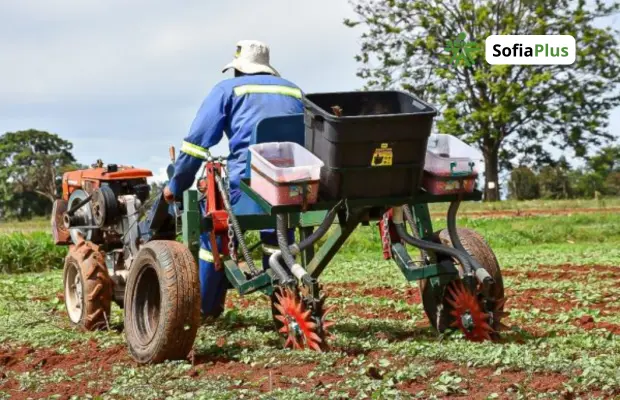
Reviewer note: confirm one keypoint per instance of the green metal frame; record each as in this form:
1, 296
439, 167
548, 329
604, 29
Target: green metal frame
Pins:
421, 198
240, 281
315, 261
190, 222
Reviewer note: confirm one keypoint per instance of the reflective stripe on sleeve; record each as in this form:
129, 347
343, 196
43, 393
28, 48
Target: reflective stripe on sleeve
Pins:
268, 89
194, 150
205, 255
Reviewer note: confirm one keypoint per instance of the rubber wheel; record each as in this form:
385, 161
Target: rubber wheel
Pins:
436, 308
88, 287
162, 303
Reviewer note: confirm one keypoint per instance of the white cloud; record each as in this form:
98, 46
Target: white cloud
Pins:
123, 80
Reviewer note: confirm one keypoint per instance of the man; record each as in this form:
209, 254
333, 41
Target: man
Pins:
234, 106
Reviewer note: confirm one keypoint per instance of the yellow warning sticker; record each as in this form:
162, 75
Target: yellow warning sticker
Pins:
382, 156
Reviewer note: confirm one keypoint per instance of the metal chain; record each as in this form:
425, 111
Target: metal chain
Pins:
386, 231
231, 241
231, 232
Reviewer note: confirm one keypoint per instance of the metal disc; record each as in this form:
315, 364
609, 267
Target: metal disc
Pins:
87, 213
104, 206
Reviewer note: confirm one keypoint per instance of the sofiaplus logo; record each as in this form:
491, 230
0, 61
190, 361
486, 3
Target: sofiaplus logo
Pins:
530, 49
514, 50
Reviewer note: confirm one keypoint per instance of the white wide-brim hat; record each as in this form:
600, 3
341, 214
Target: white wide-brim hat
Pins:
252, 57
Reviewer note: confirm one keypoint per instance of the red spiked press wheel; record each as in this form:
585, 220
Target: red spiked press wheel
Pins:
468, 315
298, 326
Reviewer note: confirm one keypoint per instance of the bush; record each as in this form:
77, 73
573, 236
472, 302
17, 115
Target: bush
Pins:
612, 184
31, 252
586, 184
523, 184
555, 183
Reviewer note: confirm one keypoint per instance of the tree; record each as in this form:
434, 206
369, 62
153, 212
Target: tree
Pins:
585, 184
506, 110
31, 167
612, 184
606, 161
599, 175
523, 184
555, 182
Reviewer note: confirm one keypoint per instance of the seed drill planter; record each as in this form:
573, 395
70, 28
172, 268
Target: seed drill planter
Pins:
373, 147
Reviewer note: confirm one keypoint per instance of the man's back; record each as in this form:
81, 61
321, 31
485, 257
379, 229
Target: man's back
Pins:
234, 107
251, 98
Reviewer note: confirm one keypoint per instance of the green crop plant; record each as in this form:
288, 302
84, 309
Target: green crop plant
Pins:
29, 252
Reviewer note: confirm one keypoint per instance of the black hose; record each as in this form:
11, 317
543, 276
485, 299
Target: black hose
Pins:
474, 266
283, 275
290, 251
281, 233
423, 244
452, 231
320, 231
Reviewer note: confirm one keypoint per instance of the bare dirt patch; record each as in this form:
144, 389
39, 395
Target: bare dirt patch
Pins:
375, 312
411, 294
589, 323
86, 359
536, 298
566, 272
266, 378
530, 213
479, 383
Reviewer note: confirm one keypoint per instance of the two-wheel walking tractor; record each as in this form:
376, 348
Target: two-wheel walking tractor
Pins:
373, 168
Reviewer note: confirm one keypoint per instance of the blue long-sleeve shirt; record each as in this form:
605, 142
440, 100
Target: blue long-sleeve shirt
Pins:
234, 106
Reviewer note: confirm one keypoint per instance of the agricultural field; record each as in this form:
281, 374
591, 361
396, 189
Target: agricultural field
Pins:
561, 267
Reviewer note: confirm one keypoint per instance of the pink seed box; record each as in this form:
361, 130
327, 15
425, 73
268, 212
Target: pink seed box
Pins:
283, 171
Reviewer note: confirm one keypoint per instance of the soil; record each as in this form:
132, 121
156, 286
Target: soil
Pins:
411, 294
589, 323
86, 359
545, 299
480, 382
365, 312
90, 363
566, 271
536, 298
530, 213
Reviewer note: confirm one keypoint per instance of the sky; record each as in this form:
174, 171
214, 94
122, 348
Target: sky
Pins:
122, 80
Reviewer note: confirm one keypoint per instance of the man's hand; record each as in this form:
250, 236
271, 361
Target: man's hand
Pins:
168, 195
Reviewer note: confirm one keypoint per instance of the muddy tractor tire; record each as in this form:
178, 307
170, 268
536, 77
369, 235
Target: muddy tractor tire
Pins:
435, 305
162, 303
87, 287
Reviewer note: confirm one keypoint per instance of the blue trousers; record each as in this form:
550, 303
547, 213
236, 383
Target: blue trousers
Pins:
213, 283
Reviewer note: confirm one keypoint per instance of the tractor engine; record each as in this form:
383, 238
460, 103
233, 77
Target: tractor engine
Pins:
101, 205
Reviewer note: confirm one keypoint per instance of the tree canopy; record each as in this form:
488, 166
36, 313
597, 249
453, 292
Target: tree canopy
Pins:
31, 166
506, 110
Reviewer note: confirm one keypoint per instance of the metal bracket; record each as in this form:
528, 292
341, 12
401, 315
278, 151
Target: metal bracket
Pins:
191, 222
445, 270
262, 282
131, 236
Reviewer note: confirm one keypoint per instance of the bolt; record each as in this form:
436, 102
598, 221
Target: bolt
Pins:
294, 327
467, 321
